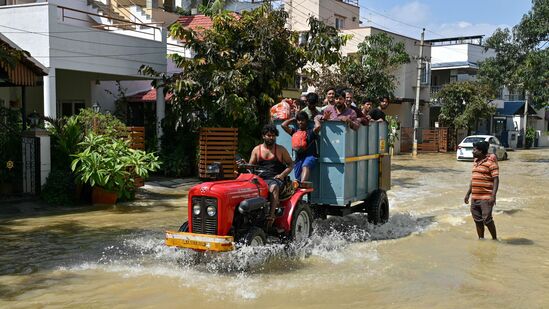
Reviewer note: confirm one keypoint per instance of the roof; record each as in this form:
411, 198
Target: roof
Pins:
454, 65
146, 96
199, 22
457, 38
25, 75
196, 22
511, 108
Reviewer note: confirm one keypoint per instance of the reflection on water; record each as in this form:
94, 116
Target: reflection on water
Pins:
427, 254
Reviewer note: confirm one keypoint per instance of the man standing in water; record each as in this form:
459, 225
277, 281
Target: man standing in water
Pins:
484, 187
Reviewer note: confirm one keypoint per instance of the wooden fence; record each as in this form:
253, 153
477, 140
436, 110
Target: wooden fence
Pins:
136, 136
429, 140
218, 145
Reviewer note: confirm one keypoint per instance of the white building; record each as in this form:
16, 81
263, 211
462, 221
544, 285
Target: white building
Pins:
458, 59
80, 47
345, 15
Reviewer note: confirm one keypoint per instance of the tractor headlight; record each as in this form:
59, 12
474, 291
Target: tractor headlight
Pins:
196, 209
211, 210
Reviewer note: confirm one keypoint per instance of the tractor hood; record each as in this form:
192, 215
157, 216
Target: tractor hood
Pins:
231, 190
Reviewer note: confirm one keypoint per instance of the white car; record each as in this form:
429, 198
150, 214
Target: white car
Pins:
465, 148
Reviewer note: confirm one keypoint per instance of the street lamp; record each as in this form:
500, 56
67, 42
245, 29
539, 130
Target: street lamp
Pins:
34, 119
96, 107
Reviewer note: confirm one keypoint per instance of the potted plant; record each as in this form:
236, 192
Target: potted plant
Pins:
110, 166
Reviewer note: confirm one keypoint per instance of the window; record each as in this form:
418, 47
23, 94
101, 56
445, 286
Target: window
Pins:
425, 73
339, 22
71, 107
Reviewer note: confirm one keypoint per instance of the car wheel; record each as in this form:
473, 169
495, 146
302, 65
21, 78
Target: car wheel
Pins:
377, 207
255, 237
505, 156
302, 223
184, 227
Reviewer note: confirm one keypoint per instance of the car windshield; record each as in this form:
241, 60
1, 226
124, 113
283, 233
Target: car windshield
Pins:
473, 139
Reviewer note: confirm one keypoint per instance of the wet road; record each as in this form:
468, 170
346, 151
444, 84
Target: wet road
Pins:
427, 255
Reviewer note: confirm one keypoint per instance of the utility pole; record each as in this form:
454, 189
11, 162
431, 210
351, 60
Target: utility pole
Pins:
526, 98
418, 85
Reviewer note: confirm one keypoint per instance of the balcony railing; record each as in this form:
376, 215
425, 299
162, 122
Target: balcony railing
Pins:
435, 90
113, 24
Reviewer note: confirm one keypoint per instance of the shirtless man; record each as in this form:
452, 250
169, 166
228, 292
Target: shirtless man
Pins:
276, 163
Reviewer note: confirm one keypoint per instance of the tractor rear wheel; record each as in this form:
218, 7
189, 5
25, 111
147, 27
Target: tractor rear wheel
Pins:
377, 207
302, 222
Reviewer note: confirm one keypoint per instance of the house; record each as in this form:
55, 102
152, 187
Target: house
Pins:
345, 16
16, 80
81, 44
457, 59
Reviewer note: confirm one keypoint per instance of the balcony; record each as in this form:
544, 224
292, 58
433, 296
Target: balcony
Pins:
72, 35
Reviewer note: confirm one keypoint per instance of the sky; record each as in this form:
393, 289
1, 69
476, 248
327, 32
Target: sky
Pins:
442, 18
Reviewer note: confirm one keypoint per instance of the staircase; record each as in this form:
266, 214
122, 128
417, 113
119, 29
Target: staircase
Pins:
105, 10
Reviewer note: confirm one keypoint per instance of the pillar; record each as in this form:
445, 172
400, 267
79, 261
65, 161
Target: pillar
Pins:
160, 112
50, 94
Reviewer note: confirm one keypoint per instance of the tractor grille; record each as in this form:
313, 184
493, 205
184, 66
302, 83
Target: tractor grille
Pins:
203, 223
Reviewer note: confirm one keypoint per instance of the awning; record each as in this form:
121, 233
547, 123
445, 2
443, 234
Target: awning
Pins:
27, 71
511, 108
147, 96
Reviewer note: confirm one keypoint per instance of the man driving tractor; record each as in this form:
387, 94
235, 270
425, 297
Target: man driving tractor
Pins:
276, 164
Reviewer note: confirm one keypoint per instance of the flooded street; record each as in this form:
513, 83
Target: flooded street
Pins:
427, 255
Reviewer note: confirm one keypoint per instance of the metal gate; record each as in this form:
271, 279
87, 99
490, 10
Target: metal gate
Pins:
31, 164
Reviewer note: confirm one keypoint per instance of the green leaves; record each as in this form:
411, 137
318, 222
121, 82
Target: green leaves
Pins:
369, 72
109, 162
522, 59
463, 103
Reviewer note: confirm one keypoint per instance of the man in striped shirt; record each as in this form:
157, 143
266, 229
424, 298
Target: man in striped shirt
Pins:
483, 189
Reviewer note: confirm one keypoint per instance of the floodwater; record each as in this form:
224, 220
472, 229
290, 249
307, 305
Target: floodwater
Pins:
426, 256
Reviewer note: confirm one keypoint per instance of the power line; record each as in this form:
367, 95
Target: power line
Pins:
78, 40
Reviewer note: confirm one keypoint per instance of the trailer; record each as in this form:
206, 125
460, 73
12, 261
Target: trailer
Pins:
353, 172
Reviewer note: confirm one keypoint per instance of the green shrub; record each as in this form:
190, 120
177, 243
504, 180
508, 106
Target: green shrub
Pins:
59, 188
110, 163
10, 144
530, 137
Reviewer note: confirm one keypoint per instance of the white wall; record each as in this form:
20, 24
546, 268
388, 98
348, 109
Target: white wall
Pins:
18, 17
459, 53
406, 75
78, 47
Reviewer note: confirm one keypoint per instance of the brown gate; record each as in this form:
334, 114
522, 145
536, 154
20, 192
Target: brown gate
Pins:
429, 140
136, 136
218, 145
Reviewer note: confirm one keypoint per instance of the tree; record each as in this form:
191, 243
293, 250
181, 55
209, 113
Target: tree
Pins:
463, 104
369, 72
11, 56
240, 67
522, 58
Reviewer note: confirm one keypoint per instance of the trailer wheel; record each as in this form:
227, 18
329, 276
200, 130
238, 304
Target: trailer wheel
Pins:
302, 223
254, 237
184, 227
377, 207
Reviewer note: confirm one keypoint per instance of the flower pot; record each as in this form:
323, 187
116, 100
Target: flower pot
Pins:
102, 196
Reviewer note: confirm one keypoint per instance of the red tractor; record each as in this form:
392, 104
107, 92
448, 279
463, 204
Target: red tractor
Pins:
221, 213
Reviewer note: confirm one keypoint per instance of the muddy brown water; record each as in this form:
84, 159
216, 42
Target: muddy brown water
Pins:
427, 255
